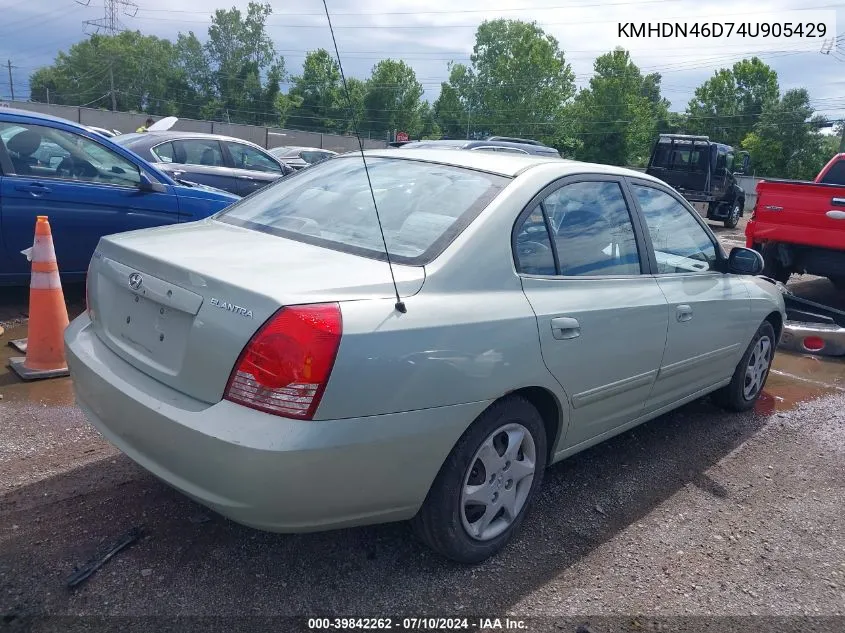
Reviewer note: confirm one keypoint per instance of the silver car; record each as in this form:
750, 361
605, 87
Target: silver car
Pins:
260, 362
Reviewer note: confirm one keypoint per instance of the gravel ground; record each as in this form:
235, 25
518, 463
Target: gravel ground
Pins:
677, 525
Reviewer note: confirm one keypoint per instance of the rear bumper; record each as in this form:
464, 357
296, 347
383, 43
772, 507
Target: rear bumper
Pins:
813, 338
262, 470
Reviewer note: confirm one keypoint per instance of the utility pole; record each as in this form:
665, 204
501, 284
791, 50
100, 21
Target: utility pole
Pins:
842, 138
48, 95
11, 82
111, 84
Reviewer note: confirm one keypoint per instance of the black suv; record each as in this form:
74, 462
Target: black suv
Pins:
491, 144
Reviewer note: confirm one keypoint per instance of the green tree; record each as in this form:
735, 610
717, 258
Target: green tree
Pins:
619, 114
146, 75
243, 67
392, 101
451, 108
317, 95
786, 141
517, 84
727, 106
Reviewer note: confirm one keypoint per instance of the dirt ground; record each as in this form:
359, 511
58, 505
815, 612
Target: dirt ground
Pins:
695, 521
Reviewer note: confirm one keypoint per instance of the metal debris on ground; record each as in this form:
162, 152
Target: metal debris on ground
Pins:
80, 575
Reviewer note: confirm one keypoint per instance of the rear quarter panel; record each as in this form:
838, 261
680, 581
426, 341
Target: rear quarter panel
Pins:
469, 335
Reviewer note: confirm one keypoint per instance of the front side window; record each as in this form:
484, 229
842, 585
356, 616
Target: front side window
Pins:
246, 157
680, 243
422, 206
45, 152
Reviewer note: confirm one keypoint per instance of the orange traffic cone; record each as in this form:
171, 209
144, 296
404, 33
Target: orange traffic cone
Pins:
45, 350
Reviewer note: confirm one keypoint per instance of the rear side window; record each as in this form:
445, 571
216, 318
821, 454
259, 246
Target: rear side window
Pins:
836, 174
591, 229
422, 206
198, 152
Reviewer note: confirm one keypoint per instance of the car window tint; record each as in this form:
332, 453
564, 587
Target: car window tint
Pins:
163, 152
836, 174
592, 230
205, 152
313, 157
46, 152
533, 246
246, 157
680, 243
422, 206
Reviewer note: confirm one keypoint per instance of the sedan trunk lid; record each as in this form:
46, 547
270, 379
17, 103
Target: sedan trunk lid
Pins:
181, 302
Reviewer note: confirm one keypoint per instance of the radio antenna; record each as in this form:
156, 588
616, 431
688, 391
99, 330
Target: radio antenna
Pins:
400, 305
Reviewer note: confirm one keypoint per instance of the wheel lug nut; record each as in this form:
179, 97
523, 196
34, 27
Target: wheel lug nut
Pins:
507, 465
495, 497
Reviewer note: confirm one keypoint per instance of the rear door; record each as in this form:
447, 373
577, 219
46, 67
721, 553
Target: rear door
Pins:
602, 321
199, 160
721, 179
254, 169
85, 188
709, 312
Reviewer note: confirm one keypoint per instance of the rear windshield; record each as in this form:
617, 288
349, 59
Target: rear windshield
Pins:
422, 206
681, 155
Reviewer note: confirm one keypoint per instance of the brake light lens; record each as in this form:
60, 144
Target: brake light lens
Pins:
285, 367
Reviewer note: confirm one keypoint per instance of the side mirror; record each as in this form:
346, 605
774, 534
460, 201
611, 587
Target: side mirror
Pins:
147, 185
745, 261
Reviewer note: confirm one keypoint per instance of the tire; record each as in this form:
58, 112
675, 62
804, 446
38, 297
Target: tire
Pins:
448, 522
739, 394
733, 217
772, 266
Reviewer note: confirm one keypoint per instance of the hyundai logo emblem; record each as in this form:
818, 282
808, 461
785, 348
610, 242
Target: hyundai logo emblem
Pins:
135, 281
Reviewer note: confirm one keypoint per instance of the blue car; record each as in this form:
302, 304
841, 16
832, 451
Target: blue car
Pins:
88, 186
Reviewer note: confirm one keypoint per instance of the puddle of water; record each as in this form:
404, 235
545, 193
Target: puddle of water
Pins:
797, 378
56, 392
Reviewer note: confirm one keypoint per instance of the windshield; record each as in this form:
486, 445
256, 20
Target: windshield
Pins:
422, 206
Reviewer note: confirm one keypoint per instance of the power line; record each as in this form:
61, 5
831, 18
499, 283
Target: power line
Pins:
449, 11
110, 22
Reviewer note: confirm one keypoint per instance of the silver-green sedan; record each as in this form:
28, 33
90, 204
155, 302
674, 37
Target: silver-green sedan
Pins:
263, 362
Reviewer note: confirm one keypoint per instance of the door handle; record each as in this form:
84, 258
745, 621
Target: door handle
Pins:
565, 328
35, 188
840, 202
683, 312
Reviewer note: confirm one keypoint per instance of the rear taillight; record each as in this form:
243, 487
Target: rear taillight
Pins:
284, 369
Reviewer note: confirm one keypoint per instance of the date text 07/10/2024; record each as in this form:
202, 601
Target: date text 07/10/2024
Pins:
416, 624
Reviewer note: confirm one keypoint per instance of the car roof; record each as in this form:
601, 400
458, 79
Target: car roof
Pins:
38, 116
300, 147
531, 148
168, 135
510, 165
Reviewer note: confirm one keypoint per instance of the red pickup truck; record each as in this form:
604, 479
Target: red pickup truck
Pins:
799, 227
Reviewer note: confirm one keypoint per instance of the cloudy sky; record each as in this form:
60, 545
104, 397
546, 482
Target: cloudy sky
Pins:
429, 33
